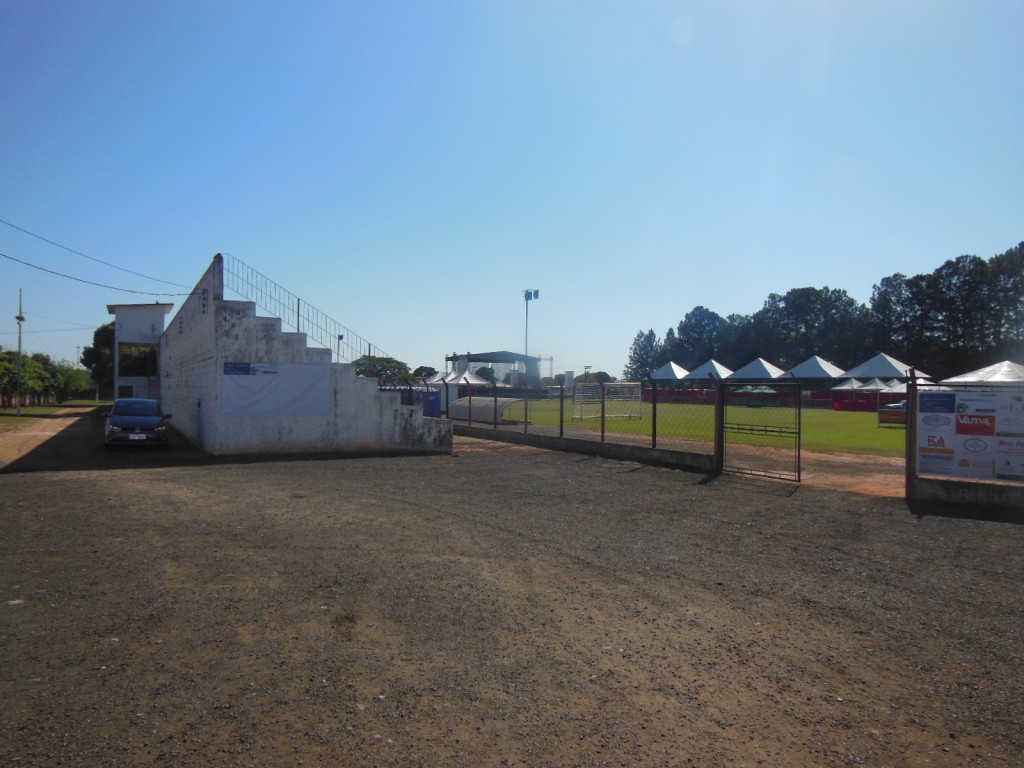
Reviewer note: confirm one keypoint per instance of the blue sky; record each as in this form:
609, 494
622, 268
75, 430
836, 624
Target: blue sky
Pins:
409, 168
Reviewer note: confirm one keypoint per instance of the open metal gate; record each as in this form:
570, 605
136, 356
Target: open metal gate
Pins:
761, 428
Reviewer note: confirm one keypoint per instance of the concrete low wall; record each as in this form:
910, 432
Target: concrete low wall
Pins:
965, 492
691, 462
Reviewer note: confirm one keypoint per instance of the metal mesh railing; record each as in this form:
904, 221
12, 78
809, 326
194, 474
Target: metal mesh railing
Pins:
762, 428
748, 428
656, 421
295, 314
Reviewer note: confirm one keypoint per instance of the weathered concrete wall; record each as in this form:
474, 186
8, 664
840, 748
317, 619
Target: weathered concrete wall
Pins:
208, 332
966, 492
189, 369
691, 462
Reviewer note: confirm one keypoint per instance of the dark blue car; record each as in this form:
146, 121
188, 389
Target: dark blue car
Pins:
135, 421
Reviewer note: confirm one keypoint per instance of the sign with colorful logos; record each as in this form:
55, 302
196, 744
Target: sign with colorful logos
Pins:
976, 435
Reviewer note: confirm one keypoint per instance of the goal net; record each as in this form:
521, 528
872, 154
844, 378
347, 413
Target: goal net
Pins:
622, 400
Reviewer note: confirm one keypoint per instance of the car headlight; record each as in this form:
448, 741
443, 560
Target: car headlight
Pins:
161, 428
113, 428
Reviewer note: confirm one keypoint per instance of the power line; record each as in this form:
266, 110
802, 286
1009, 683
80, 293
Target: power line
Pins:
98, 261
90, 282
56, 319
49, 330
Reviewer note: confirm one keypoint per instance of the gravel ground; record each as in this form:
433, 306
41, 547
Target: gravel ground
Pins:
501, 606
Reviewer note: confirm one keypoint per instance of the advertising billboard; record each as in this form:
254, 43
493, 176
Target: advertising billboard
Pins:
971, 434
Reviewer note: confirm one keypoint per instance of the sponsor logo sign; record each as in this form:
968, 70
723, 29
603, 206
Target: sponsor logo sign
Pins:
937, 402
975, 424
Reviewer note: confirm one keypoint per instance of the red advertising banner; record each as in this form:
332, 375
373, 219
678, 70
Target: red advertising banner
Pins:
975, 424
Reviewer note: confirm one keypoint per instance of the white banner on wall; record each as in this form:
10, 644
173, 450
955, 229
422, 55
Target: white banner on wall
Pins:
275, 389
977, 435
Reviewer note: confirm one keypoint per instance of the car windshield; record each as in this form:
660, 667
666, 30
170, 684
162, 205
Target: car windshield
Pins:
136, 408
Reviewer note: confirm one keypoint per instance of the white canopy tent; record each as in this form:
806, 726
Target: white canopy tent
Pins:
1006, 372
815, 368
669, 372
881, 366
711, 368
757, 369
875, 385
849, 384
900, 388
466, 377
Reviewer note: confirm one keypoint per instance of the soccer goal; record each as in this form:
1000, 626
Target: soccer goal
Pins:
622, 400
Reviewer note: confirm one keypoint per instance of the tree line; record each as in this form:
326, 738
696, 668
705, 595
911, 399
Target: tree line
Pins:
43, 380
966, 314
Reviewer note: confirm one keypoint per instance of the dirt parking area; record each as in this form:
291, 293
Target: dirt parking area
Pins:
501, 606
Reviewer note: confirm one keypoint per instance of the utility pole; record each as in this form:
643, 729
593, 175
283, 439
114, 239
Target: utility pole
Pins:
20, 318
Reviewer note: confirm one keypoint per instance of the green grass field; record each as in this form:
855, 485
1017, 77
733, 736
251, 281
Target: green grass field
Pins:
823, 430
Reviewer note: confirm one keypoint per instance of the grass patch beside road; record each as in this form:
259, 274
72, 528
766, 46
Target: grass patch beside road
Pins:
10, 420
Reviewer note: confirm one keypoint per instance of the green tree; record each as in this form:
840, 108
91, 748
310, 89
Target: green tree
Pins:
35, 377
486, 372
387, 369
967, 326
8, 377
696, 338
735, 342
99, 358
598, 377
74, 382
643, 356
424, 372
1007, 298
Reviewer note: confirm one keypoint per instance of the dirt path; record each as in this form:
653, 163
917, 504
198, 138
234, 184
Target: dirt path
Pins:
16, 443
502, 606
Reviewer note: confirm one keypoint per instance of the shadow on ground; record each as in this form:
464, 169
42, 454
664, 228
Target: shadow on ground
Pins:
79, 447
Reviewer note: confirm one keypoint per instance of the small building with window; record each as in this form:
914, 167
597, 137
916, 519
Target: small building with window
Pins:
137, 332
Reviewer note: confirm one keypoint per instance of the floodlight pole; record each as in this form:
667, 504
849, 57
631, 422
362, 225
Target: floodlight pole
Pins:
528, 295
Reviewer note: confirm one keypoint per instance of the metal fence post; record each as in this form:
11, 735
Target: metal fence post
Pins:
799, 428
526, 404
561, 410
654, 412
602, 411
910, 460
719, 389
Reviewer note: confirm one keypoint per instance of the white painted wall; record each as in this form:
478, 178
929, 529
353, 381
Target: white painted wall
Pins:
208, 332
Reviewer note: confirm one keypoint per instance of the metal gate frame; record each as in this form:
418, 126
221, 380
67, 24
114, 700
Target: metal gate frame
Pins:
783, 462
